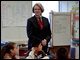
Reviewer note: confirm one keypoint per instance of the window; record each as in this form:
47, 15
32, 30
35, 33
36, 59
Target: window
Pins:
48, 6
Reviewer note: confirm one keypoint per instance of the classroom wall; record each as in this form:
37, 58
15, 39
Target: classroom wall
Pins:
18, 33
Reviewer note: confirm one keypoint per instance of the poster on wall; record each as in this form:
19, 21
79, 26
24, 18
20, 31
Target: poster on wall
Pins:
14, 14
61, 29
75, 26
75, 8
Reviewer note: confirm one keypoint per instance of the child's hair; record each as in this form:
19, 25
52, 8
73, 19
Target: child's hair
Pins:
62, 53
6, 48
35, 43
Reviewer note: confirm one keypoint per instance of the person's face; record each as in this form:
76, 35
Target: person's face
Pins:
15, 50
40, 47
37, 10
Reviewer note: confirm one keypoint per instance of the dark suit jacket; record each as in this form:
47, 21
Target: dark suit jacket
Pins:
34, 31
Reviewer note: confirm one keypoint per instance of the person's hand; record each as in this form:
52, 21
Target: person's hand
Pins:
34, 49
44, 42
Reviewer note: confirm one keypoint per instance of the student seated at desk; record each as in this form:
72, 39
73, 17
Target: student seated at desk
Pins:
9, 51
36, 52
62, 53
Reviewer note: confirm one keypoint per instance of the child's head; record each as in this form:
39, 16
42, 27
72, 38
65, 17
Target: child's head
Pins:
37, 44
11, 48
62, 53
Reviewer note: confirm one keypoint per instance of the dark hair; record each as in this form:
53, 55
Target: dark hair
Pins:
36, 42
7, 48
62, 53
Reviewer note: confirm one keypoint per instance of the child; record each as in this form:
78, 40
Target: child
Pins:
62, 53
36, 52
9, 51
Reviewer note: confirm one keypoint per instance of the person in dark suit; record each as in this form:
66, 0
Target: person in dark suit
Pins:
38, 27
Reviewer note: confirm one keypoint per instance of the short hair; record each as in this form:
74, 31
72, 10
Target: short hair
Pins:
62, 53
36, 42
39, 5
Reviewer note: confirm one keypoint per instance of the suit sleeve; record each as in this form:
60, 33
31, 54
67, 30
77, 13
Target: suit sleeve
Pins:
30, 30
49, 33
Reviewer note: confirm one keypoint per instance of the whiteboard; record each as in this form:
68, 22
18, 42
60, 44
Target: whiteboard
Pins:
61, 29
15, 13
14, 32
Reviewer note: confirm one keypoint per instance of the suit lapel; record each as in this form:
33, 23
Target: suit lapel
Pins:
35, 20
43, 22
36, 23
